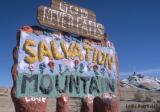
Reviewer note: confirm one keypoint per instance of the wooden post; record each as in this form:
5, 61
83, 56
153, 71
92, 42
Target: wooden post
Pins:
87, 104
106, 104
101, 105
115, 105
62, 103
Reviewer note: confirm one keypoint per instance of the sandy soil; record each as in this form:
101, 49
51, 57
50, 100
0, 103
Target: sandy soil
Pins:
6, 104
127, 97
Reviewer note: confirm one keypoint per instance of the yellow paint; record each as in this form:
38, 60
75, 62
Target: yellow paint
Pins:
67, 52
88, 52
101, 58
109, 61
43, 50
32, 55
55, 52
95, 55
71, 52
77, 52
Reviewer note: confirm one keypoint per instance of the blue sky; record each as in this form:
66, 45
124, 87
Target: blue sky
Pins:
133, 26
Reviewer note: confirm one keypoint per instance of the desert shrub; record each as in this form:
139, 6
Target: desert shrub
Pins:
148, 99
138, 96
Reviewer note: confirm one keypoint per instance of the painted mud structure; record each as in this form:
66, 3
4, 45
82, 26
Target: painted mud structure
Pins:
74, 59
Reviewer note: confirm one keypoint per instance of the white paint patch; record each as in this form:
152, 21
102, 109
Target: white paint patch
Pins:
85, 69
114, 67
60, 50
24, 34
89, 98
33, 99
111, 52
22, 65
48, 40
106, 95
46, 60
71, 64
83, 52
67, 45
65, 98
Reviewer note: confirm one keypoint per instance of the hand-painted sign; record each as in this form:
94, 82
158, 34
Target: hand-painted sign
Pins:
40, 85
70, 18
73, 10
53, 63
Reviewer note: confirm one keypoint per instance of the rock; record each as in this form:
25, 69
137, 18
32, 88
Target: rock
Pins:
4, 92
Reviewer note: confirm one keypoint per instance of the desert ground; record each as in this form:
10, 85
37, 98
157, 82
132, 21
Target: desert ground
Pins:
132, 100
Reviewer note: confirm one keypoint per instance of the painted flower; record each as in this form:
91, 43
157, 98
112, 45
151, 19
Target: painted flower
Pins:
81, 68
95, 67
42, 66
27, 29
76, 62
103, 71
51, 65
31, 68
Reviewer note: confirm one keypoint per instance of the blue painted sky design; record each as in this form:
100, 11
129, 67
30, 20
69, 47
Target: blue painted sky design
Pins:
133, 26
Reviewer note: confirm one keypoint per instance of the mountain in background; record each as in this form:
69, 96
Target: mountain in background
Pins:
141, 81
